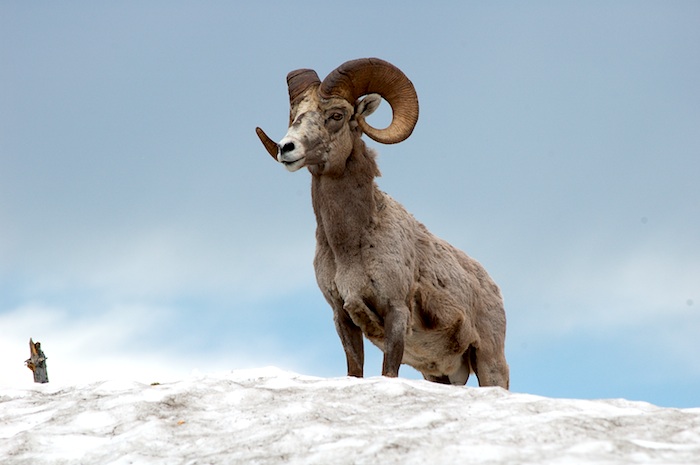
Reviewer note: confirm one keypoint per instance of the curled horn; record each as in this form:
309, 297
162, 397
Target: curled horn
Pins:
356, 78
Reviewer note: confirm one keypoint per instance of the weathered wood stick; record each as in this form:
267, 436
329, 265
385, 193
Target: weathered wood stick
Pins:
37, 362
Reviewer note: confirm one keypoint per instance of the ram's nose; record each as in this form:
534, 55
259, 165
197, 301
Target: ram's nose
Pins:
286, 149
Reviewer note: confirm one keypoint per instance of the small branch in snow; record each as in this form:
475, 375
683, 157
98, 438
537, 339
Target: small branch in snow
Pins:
37, 362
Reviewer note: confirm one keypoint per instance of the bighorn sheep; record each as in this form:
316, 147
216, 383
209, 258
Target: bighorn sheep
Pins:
420, 300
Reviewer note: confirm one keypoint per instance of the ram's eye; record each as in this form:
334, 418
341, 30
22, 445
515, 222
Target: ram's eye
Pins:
337, 116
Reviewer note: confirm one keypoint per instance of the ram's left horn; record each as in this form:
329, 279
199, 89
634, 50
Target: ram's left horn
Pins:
270, 145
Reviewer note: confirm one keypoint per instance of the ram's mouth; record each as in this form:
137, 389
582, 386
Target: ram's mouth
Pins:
293, 165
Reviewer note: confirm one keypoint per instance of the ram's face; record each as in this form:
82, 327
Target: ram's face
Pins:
326, 116
319, 136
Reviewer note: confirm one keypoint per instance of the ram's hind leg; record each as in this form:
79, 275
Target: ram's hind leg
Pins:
490, 368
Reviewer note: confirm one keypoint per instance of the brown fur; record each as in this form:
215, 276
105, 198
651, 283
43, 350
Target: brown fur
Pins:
413, 295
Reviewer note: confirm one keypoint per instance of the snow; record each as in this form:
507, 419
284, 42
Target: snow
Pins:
270, 416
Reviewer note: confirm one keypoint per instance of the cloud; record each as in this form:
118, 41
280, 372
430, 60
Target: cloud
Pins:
598, 291
151, 263
136, 342
78, 348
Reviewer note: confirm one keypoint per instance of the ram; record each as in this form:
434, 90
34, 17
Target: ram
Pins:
420, 300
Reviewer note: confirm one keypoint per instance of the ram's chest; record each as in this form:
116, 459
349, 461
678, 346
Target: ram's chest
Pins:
382, 254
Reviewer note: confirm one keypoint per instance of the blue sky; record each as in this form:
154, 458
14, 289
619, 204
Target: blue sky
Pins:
145, 232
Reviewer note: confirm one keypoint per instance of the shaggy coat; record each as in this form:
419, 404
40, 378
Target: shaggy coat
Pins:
420, 300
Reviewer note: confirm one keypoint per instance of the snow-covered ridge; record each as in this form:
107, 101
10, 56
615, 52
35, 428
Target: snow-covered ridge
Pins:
268, 416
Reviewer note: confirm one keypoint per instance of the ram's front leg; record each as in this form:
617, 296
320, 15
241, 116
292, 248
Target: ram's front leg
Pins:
351, 338
395, 325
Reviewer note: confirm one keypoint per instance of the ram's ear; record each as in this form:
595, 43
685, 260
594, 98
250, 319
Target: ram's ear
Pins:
367, 105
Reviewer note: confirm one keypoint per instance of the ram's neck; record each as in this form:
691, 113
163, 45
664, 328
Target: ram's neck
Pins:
345, 205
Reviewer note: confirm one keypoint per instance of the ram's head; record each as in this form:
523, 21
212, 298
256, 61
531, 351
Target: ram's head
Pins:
326, 117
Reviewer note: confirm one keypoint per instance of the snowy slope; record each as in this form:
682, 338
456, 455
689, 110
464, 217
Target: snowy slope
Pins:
268, 416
